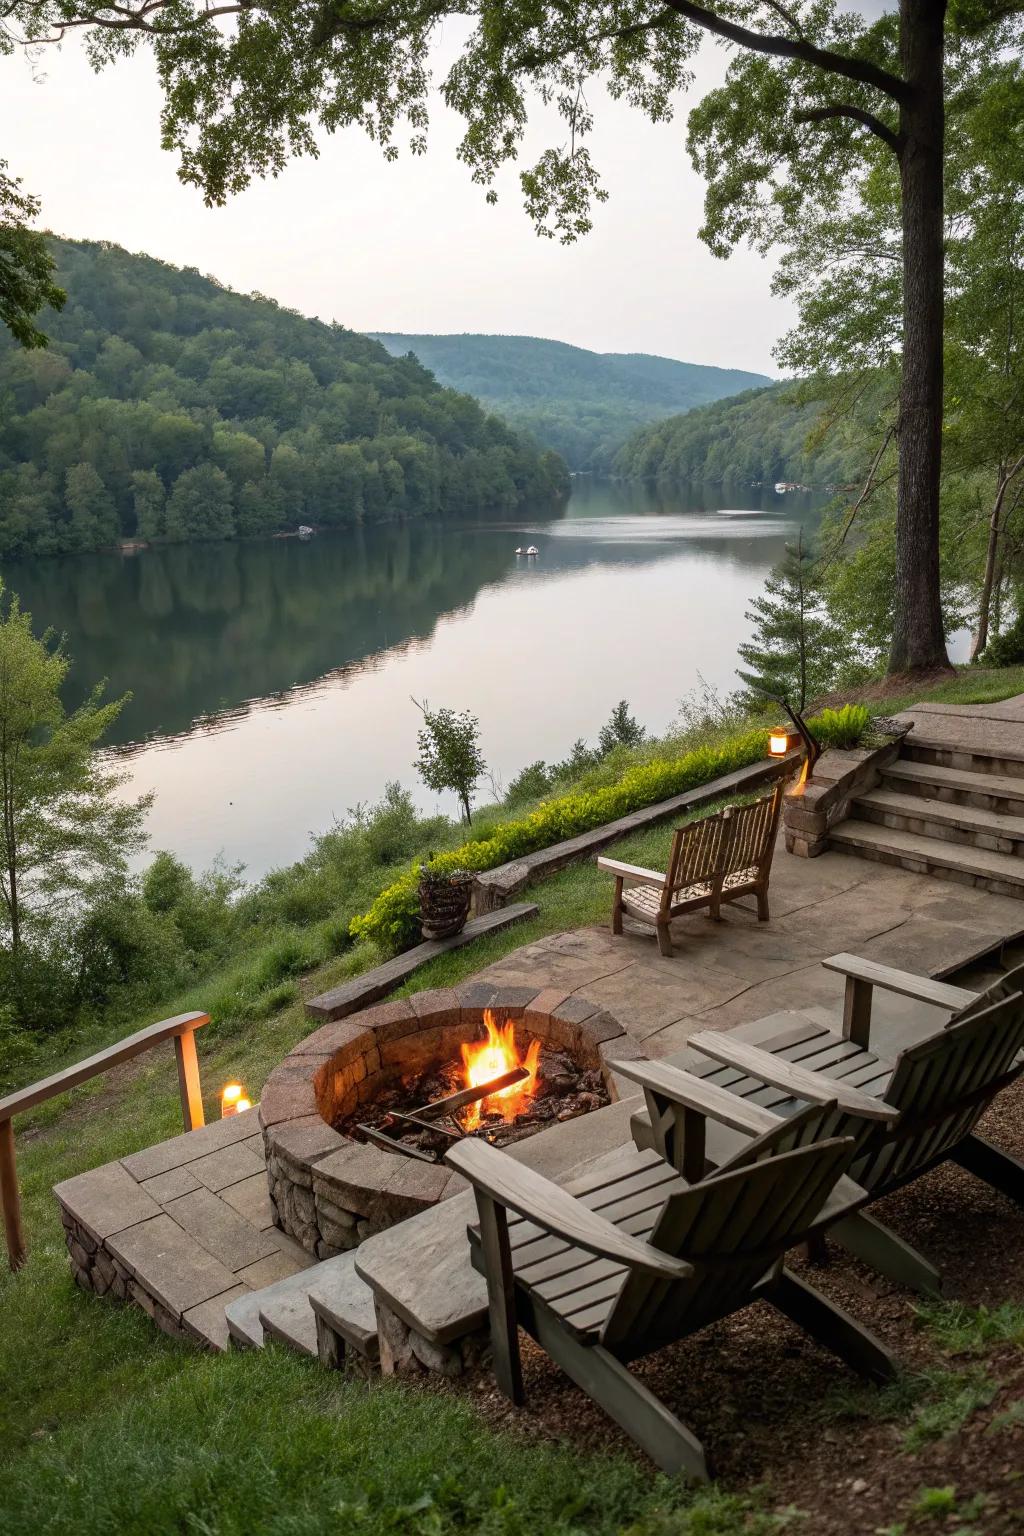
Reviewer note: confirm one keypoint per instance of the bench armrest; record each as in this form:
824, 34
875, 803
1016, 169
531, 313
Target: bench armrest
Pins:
904, 983
786, 1075
632, 871
512, 1185
693, 1093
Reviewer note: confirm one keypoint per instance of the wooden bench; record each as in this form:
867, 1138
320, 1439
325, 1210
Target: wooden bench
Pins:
718, 859
181, 1029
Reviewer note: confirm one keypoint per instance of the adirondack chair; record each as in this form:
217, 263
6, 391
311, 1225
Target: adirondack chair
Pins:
717, 859
931, 1096
635, 1256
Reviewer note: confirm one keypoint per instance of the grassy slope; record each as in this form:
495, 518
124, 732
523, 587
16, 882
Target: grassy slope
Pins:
107, 1426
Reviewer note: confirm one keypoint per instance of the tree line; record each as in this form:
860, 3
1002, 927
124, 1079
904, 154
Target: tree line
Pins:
760, 437
166, 407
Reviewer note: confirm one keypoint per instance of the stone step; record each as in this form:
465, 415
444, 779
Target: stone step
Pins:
343, 1303
277, 1310
1001, 755
962, 824
284, 1311
956, 786
999, 873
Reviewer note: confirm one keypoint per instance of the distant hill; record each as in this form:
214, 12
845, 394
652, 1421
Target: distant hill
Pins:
169, 408
582, 404
763, 435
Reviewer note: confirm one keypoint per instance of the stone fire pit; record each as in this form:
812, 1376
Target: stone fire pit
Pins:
330, 1191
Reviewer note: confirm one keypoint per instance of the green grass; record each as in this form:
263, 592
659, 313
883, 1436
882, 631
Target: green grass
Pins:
970, 685
964, 1330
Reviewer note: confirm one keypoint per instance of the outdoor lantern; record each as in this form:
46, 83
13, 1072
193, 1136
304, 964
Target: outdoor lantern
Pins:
778, 741
233, 1101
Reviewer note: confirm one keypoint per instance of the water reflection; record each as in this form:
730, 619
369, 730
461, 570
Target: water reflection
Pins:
271, 680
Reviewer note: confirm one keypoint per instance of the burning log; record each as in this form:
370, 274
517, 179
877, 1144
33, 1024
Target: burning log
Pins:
388, 1137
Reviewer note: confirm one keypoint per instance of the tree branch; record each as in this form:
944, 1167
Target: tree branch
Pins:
861, 70
858, 115
870, 485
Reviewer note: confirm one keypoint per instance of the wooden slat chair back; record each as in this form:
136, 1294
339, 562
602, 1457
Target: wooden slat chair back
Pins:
676, 1132
942, 1087
734, 1228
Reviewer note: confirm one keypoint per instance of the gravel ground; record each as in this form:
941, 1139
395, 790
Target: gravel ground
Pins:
774, 1409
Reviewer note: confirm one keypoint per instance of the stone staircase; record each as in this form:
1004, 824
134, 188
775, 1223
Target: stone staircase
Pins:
951, 805
289, 1311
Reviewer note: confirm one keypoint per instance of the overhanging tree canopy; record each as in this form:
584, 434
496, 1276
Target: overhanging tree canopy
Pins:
248, 82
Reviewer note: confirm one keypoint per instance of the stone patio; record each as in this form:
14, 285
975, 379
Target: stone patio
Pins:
186, 1229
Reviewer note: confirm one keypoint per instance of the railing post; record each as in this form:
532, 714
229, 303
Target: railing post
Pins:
188, 1080
9, 1197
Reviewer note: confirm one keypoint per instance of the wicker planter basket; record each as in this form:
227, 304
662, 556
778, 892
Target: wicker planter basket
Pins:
444, 904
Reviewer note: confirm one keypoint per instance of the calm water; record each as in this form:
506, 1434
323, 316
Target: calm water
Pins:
272, 682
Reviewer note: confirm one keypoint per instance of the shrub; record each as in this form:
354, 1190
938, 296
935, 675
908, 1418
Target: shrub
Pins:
1007, 649
392, 920
530, 783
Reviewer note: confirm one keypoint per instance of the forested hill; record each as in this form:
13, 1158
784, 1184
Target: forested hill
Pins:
582, 404
764, 435
168, 407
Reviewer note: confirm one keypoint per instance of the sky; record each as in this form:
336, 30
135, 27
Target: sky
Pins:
411, 246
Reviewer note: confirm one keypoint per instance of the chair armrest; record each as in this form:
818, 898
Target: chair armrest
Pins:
632, 871
904, 983
778, 1073
517, 1188
694, 1093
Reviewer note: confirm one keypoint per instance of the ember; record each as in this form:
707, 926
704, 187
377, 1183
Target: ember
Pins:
423, 1114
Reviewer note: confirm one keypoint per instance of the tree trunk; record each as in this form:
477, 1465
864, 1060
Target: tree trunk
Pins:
918, 642
989, 583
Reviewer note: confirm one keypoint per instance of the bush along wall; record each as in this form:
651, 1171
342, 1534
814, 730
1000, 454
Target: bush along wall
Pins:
393, 919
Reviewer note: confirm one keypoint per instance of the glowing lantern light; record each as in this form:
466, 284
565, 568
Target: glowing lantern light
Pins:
778, 742
233, 1101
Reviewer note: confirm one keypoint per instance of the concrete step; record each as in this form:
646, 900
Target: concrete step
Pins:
956, 786
961, 824
1000, 754
999, 873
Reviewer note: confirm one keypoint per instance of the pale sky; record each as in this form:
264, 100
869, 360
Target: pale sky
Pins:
411, 246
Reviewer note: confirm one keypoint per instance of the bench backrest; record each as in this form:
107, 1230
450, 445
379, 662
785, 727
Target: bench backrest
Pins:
733, 1228
739, 837
943, 1085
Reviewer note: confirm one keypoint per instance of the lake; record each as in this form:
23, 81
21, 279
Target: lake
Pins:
272, 681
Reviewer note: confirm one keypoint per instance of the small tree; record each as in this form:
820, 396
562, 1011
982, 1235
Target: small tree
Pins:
620, 730
63, 834
449, 753
796, 649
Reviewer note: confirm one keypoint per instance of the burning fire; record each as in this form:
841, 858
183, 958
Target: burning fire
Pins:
485, 1060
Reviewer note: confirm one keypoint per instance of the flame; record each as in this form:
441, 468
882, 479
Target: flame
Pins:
484, 1060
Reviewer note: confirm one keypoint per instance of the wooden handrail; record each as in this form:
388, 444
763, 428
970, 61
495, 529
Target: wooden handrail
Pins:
181, 1029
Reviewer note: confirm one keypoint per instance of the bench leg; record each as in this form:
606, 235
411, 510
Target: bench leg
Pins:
832, 1327
666, 1439
762, 906
664, 940
881, 1249
992, 1165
